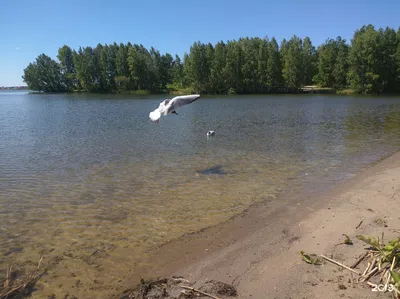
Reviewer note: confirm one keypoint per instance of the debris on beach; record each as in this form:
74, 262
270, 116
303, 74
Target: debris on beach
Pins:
180, 288
347, 241
381, 264
310, 258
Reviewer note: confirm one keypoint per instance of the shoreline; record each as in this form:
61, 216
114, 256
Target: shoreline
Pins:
257, 251
136, 93
280, 91
176, 93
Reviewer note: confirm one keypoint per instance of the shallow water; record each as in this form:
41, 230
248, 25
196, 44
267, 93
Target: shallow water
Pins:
90, 183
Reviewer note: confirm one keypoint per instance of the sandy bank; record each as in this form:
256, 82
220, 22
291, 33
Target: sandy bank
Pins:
258, 252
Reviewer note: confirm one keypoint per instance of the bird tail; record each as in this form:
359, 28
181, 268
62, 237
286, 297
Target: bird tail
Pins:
155, 115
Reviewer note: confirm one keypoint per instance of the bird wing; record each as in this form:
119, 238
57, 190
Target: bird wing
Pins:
163, 104
180, 101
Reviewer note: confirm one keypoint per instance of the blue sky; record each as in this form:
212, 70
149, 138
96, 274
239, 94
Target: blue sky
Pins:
29, 28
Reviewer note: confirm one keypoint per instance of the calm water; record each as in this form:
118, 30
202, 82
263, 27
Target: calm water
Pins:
90, 183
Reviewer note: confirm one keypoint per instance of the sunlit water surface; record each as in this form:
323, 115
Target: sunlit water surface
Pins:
91, 184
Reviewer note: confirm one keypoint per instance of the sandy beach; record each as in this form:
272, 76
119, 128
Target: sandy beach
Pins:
258, 251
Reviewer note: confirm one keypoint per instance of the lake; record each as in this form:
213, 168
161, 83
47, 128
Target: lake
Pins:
91, 184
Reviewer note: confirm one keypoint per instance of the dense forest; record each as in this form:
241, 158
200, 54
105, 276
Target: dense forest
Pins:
369, 64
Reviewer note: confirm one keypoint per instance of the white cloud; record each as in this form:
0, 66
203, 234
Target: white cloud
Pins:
17, 48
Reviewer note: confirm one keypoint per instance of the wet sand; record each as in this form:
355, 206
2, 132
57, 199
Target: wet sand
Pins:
259, 251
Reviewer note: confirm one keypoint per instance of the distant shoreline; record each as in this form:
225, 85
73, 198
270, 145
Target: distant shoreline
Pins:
14, 88
176, 92
304, 90
344, 92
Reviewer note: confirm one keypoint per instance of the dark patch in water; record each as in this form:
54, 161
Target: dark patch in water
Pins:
213, 170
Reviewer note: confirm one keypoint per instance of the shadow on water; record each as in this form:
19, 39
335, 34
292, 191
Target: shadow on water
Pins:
213, 170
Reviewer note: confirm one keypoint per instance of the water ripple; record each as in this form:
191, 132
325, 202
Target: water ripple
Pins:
93, 175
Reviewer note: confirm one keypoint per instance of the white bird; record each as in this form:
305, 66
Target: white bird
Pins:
168, 106
210, 133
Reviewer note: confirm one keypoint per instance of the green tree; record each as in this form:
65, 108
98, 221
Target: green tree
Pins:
121, 60
216, 77
31, 77
177, 72
250, 50
332, 64
398, 59
388, 64
274, 66
187, 70
309, 61
65, 56
137, 66
371, 64
143, 67
209, 59
199, 70
100, 73
165, 70
293, 63
232, 71
154, 80
341, 64
262, 70
122, 80
86, 70
44, 75
108, 67
364, 61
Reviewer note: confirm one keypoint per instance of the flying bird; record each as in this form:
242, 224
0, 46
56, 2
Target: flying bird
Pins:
169, 106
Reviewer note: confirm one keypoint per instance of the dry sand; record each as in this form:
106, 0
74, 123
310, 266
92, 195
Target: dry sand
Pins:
259, 251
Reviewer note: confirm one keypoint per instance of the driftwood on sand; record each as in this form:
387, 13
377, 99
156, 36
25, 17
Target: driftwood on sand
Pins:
200, 292
381, 262
341, 265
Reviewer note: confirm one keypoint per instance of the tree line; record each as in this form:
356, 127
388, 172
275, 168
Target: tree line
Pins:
369, 64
